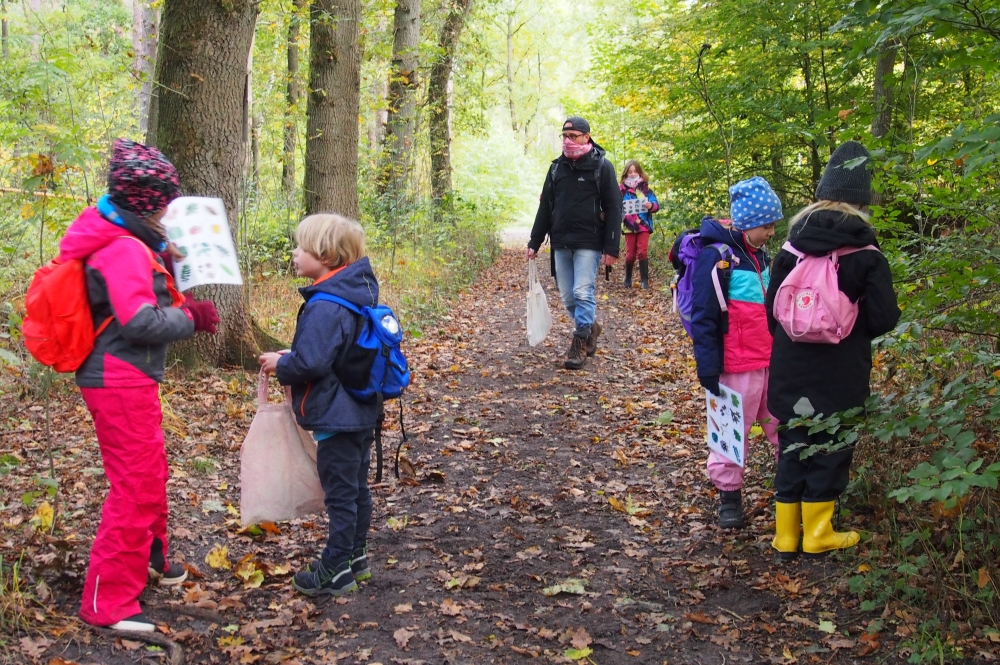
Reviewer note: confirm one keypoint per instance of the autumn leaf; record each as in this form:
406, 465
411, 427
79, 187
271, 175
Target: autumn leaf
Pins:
450, 608
402, 637
984, 578
403, 608
44, 516
578, 654
700, 617
580, 638
218, 558
460, 637
573, 586
617, 504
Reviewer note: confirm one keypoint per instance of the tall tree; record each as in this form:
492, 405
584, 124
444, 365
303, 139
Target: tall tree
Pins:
145, 27
403, 82
201, 76
292, 92
439, 101
331, 169
882, 88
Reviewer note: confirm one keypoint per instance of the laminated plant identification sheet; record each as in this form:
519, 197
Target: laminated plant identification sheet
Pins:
633, 206
199, 228
725, 424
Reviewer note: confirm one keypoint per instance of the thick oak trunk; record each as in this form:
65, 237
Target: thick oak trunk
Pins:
201, 77
439, 103
403, 82
331, 169
882, 89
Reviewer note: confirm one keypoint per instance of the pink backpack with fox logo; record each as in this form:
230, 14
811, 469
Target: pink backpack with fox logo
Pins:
809, 304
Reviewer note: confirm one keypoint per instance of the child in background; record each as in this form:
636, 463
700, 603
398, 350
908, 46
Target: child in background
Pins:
734, 349
637, 228
138, 313
331, 252
811, 379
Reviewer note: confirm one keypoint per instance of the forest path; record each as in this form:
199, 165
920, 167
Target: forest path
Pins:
519, 476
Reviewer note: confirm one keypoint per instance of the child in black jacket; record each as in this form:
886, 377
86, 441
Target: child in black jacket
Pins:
811, 378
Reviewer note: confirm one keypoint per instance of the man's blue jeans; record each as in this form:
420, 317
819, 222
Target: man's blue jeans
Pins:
576, 273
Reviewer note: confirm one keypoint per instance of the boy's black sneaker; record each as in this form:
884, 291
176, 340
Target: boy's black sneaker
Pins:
731, 510
359, 565
318, 580
160, 570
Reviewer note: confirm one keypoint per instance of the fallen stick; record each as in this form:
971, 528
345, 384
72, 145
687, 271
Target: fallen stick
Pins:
191, 611
175, 654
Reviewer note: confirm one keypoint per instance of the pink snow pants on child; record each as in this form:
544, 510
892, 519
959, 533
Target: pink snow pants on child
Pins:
127, 421
726, 475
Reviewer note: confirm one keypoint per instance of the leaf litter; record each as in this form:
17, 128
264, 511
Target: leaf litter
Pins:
542, 514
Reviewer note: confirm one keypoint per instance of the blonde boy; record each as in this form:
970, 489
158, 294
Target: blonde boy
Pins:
331, 252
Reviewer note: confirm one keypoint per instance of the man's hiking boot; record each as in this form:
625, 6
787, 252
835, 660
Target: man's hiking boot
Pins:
731, 510
161, 571
628, 275
644, 273
318, 580
595, 331
359, 565
576, 357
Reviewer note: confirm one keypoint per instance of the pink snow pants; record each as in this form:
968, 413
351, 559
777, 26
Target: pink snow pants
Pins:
128, 422
753, 386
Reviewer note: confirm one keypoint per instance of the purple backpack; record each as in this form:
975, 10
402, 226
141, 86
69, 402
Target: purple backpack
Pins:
683, 256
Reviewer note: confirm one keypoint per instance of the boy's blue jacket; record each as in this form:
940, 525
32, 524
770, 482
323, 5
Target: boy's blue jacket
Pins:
322, 331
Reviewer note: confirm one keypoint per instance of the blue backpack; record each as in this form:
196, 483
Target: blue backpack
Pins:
373, 367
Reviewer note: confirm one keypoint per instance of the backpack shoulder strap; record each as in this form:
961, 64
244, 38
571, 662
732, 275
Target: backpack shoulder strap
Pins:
844, 251
336, 299
788, 247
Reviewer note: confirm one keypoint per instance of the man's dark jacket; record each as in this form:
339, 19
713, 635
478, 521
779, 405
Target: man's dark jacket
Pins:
570, 208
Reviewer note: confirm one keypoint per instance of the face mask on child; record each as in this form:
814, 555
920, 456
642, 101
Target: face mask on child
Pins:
574, 150
632, 181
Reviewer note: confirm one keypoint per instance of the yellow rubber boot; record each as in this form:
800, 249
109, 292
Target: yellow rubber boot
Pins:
788, 529
819, 536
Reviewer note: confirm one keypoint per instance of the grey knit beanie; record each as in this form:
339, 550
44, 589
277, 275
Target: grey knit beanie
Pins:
850, 185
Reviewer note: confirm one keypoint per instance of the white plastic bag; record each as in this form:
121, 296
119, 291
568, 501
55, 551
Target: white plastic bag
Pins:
278, 475
539, 318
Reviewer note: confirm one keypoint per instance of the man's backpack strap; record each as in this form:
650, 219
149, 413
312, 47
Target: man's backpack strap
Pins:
378, 441
402, 439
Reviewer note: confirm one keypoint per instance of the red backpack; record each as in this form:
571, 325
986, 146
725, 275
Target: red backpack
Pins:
58, 326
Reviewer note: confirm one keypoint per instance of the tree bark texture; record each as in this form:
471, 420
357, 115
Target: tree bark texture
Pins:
292, 92
883, 92
439, 103
201, 75
331, 169
403, 82
145, 27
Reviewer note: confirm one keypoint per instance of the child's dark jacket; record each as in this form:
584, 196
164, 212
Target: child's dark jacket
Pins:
833, 377
323, 330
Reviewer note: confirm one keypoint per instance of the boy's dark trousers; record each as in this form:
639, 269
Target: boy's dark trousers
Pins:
343, 461
820, 477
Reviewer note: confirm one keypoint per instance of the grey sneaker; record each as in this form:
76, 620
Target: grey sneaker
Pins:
318, 580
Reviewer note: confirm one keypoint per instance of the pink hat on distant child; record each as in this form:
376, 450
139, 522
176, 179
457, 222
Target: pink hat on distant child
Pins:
141, 179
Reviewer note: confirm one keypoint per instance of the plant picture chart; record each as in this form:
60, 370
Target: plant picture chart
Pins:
200, 229
725, 424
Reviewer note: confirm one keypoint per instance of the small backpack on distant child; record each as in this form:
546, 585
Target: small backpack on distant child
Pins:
373, 368
809, 304
683, 256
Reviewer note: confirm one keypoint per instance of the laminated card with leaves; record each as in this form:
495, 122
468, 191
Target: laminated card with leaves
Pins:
200, 229
725, 424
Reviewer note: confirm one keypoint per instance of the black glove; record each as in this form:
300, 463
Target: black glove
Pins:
711, 384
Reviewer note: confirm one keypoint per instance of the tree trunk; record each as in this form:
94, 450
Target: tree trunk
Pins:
201, 75
331, 169
403, 80
883, 92
439, 104
4, 31
145, 26
292, 91
510, 73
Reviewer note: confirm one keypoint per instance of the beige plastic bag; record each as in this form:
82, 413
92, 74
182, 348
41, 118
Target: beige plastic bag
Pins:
539, 319
278, 476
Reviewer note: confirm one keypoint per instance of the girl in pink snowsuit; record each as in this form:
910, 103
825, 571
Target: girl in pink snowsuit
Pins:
129, 288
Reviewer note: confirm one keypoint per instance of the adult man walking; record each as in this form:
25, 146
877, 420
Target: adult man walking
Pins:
581, 212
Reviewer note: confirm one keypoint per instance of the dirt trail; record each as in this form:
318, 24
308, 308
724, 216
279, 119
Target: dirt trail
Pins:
521, 476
